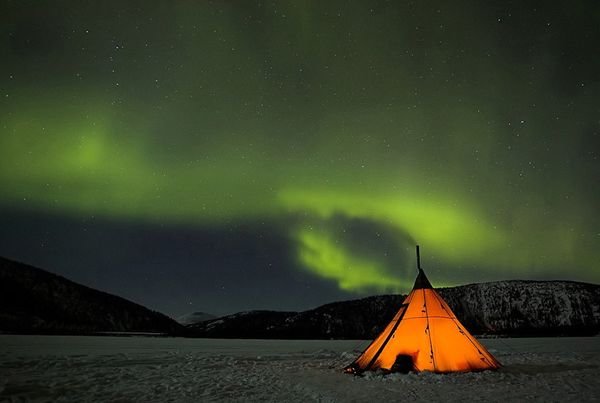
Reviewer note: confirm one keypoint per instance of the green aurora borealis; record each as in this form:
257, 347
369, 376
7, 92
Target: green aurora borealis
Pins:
356, 128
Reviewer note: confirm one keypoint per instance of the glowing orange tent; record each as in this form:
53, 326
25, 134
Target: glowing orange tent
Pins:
424, 335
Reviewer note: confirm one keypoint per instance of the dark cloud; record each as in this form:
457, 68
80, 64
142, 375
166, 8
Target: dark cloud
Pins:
175, 269
370, 240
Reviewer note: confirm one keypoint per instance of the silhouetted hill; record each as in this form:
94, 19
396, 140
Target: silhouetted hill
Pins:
514, 308
36, 301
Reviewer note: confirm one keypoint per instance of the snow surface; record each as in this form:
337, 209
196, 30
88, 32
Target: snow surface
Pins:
123, 369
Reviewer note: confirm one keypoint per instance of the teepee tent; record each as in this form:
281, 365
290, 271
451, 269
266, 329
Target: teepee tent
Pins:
424, 335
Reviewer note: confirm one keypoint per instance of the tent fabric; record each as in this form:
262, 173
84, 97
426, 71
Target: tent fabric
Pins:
424, 335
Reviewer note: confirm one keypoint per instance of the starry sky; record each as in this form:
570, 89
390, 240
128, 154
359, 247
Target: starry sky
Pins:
221, 156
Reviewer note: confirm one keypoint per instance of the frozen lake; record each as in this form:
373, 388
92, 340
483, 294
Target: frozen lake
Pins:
123, 369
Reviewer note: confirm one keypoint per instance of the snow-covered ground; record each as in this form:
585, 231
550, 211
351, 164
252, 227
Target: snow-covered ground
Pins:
123, 369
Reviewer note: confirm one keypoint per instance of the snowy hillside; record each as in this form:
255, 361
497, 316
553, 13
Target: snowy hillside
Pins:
527, 306
195, 317
496, 308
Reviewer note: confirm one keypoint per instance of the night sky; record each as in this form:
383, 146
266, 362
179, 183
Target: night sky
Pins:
221, 156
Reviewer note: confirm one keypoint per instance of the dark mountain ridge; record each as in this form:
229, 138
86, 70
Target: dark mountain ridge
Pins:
507, 308
36, 301
33, 300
